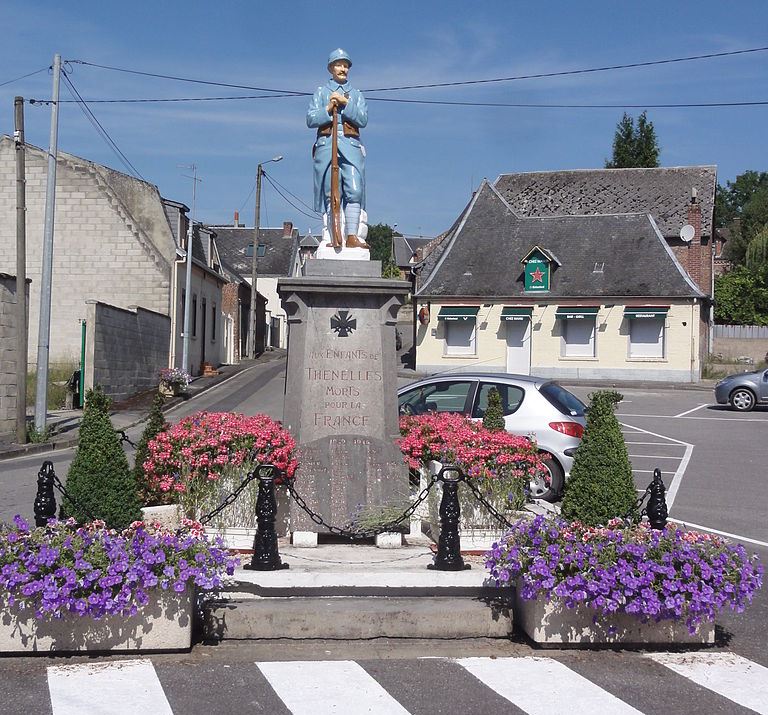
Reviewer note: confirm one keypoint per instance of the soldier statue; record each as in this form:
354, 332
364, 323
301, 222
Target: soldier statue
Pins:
339, 112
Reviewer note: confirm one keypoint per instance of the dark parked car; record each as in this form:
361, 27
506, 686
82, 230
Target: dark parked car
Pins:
532, 406
743, 391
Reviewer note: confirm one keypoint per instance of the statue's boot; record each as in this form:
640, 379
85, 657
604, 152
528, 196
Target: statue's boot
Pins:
355, 242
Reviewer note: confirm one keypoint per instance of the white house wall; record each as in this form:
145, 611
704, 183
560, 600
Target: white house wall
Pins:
681, 350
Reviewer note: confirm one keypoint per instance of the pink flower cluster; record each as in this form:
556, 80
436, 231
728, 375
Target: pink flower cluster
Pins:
454, 439
204, 445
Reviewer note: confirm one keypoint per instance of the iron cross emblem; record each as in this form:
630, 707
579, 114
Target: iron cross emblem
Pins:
342, 324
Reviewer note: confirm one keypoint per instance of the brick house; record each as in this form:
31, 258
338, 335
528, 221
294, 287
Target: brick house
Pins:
116, 241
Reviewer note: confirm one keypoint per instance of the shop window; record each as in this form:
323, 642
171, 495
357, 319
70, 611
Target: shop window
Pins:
579, 337
646, 338
460, 337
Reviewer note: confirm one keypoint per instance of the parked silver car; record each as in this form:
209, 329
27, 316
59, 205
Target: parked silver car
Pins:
743, 391
532, 406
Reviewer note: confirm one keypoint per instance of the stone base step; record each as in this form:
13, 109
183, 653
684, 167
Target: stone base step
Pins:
354, 617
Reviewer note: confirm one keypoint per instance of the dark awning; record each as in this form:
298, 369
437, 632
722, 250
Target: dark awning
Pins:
655, 311
458, 312
516, 313
569, 312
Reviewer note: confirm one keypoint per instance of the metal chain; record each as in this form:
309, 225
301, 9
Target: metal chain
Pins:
124, 437
638, 504
62, 489
359, 534
231, 498
492, 509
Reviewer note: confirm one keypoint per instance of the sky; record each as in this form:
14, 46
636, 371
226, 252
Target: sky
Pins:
423, 160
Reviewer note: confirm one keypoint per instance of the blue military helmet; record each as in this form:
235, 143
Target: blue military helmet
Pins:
338, 54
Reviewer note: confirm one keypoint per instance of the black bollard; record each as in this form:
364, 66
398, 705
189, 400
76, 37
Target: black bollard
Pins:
45, 500
448, 556
265, 554
657, 504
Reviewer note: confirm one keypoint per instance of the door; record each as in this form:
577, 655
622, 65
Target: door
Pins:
202, 342
519, 346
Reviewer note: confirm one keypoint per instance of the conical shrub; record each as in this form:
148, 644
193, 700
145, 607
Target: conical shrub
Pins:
493, 419
99, 480
155, 424
601, 487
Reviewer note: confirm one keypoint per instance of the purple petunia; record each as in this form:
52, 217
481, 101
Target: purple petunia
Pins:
652, 574
93, 571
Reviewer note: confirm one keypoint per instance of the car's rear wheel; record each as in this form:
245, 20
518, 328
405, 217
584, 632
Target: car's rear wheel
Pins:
742, 399
556, 477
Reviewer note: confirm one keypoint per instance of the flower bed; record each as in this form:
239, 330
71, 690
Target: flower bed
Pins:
500, 465
650, 575
113, 583
203, 458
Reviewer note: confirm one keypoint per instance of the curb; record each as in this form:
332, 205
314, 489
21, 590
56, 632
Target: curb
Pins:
64, 442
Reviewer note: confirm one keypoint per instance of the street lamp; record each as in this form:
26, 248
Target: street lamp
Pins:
254, 267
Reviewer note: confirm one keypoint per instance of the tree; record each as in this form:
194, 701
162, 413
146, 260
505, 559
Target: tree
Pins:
601, 487
155, 424
493, 419
741, 295
634, 146
99, 480
380, 241
742, 207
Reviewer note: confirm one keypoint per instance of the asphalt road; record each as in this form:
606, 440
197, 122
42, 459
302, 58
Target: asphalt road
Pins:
714, 465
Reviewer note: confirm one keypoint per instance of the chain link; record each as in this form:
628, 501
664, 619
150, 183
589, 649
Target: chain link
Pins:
62, 489
492, 509
360, 534
124, 437
260, 469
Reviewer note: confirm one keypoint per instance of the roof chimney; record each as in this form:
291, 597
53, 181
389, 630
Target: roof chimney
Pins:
694, 194
287, 229
236, 221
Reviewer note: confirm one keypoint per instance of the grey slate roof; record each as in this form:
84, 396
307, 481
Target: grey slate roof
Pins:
406, 247
277, 260
664, 193
480, 258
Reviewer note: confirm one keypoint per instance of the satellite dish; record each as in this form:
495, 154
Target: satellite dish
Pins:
687, 232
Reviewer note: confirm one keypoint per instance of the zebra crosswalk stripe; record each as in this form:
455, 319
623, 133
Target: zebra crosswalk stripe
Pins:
122, 687
542, 686
333, 687
726, 674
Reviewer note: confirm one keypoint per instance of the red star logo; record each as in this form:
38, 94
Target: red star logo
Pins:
537, 275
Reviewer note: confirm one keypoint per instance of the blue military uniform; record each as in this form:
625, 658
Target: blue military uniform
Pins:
352, 118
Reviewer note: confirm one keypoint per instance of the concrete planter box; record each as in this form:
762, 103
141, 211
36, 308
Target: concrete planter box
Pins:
164, 624
550, 624
167, 515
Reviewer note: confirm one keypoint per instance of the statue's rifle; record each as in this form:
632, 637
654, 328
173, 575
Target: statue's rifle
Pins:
335, 183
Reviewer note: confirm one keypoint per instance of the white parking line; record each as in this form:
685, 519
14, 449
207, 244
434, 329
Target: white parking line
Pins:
712, 417
654, 456
688, 412
678, 477
747, 539
658, 444
648, 471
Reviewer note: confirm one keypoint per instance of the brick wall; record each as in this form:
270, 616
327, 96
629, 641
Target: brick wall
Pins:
101, 248
8, 332
125, 348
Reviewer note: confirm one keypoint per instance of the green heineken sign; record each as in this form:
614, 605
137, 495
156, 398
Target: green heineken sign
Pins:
537, 270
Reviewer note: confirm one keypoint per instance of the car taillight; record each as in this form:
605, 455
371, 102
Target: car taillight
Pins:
572, 429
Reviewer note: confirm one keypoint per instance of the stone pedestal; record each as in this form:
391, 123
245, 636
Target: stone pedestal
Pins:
341, 389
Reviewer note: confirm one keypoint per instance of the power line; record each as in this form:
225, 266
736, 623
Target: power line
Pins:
287, 200
292, 194
24, 76
186, 79
540, 75
100, 129
563, 73
174, 99
568, 106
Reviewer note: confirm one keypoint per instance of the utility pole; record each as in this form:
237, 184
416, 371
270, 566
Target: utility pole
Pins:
21, 272
188, 283
255, 259
44, 330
